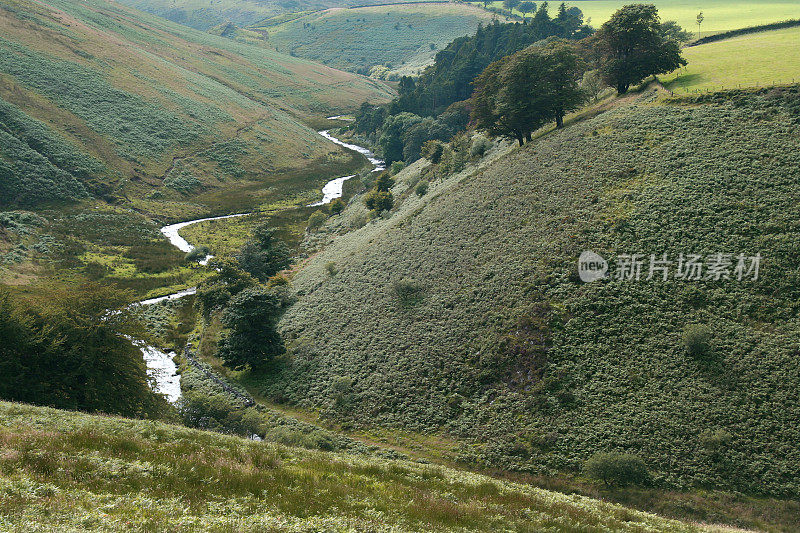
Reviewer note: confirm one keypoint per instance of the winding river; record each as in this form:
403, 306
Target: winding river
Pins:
160, 365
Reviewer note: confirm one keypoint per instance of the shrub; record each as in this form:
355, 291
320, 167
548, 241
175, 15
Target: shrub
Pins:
330, 267
695, 340
396, 167
264, 255
618, 469
408, 292
422, 188
715, 441
197, 254
336, 206
480, 145
316, 220
379, 201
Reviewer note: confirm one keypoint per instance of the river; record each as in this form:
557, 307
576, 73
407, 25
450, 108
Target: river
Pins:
160, 365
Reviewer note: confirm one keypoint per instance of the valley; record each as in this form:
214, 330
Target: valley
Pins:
319, 266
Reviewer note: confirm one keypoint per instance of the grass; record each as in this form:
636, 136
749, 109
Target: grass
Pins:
69, 471
402, 38
720, 15
756, 60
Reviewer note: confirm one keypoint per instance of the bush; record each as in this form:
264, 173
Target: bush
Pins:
379, 201
396, 167
197, 254
316, 220
618, 469
422, 188
480, 145
384, 182
432, 151
330, 267
336, 206
695, 340
408, 292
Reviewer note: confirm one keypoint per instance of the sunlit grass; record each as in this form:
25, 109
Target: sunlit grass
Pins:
102, 473
755, 60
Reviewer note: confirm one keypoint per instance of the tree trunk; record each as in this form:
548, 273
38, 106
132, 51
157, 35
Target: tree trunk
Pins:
529, 137
520, 139
622, 88
559, 120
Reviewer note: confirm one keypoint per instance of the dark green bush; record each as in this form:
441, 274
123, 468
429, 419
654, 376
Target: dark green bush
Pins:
617, 469
421, 189
316, 220
696, 340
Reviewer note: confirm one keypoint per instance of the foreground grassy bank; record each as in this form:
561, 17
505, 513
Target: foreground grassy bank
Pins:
64, 471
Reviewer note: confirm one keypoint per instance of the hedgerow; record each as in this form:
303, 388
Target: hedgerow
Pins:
494, 248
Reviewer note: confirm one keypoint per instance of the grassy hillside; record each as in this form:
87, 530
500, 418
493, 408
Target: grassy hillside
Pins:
117, 110
766, 58
64, 471
403, 38
465, 313
720, 15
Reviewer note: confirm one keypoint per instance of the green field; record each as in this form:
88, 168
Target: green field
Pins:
720, 15
756, 60
403, 38
62, 471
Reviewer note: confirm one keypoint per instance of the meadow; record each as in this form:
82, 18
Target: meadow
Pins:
64, 471
755, 60
720, 15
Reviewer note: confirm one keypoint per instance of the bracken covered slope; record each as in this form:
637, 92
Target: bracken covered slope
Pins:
463, 311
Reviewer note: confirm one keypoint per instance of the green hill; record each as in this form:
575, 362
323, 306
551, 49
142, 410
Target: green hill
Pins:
462, 312
402, 38
62, 471
107, 112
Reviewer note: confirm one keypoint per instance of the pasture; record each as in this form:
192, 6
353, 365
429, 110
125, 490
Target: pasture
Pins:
756, 60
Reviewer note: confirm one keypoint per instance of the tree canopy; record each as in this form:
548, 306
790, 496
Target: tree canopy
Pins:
518, 94
633, 46
264, 255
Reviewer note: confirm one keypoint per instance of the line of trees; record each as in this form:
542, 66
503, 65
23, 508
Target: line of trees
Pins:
519, 93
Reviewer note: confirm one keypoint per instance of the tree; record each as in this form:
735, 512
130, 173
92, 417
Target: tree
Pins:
511, 4
592, 84
700, 19
252, 340
518, 94
527, 7
264, 255
671, 30
384, 181
379, 201
61, 347
633, 47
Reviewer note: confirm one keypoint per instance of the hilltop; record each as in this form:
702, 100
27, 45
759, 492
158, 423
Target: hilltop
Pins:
69, 471
465, 315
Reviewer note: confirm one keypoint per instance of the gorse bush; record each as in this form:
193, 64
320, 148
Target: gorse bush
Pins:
617, 469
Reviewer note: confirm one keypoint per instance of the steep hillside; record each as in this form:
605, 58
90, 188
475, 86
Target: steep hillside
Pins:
107, 113
463, 310
62, 471
402, 38
95, 89
205, 14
